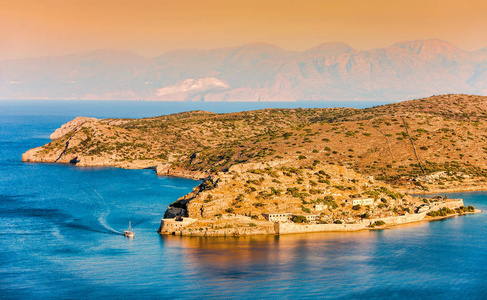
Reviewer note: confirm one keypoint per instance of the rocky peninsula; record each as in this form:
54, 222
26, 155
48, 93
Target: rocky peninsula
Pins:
296, 170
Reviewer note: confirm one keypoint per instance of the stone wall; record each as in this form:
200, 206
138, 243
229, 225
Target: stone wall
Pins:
396, 220
451, 204
240, 231
286, 228
168, 226
180, 228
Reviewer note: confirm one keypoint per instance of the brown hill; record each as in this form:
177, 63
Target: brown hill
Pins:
407, 144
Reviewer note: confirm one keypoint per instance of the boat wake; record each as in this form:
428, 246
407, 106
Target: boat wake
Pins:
102, 217
103, 222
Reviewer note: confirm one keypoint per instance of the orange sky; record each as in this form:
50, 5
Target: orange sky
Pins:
151, 27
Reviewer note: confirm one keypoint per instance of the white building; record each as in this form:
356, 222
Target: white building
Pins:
365, 201
320, 207
368, 201
357, 202
278, 217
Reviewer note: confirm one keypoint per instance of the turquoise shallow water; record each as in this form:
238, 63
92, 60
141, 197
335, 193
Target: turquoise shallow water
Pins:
60, 238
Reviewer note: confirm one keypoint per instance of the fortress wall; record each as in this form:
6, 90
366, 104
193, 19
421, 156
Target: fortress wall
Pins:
286, 228
400, 219
170, 226
264, 230
450, 204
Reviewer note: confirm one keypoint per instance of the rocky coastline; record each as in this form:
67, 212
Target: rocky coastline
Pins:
325, 169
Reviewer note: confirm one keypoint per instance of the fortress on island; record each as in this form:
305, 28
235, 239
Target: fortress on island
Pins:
279, 171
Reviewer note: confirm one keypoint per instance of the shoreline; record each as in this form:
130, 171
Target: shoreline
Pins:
178, 173
270, 229
350, 228
430, 219
283, 228
196, 175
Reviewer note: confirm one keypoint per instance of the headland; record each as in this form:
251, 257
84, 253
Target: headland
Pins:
296, 170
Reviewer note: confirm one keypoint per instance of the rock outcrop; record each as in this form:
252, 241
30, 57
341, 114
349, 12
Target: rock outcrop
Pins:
166, 169
32, 156
65, 128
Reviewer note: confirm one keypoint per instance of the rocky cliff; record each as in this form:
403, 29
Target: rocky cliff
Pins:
70, 126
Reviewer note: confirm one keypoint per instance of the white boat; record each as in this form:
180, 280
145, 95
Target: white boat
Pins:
129, 233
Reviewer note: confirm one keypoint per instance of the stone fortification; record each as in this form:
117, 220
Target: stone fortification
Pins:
174, 224
185, 226
287, 228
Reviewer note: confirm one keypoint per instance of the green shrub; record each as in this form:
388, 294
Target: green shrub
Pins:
300, 219
208, 198
445, 211
328, 200
378, 223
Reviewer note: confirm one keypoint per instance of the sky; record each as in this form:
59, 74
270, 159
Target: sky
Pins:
30, 28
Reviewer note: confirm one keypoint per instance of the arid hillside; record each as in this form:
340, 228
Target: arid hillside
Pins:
432, 144
252, 72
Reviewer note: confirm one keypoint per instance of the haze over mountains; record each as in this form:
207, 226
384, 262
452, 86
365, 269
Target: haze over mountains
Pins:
252, 72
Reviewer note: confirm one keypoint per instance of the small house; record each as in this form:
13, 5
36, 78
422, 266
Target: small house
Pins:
365, 201
320, 207
277, 217
368, 201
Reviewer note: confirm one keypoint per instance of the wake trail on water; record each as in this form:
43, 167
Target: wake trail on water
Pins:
102, 218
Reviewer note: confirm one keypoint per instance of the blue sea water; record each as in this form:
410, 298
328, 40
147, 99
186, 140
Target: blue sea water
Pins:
60, 234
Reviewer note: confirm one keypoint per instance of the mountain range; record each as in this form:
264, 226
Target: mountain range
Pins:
252, 72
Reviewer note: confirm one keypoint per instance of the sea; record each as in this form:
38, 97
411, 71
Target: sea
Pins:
61, 232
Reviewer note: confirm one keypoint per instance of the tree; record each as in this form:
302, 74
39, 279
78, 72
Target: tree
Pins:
300, 219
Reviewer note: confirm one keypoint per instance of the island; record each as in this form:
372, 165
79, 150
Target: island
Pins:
279, 171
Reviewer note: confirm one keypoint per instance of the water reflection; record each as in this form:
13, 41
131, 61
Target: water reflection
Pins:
282, 255
391, 263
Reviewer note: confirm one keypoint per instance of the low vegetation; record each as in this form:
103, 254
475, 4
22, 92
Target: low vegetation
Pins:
448, 132
300, 161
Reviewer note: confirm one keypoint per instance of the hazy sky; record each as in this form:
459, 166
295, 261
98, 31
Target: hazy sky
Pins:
151, 27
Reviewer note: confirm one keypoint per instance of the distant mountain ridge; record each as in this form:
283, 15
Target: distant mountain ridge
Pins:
252, 72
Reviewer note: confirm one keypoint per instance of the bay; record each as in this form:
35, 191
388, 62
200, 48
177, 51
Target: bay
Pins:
60, 235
